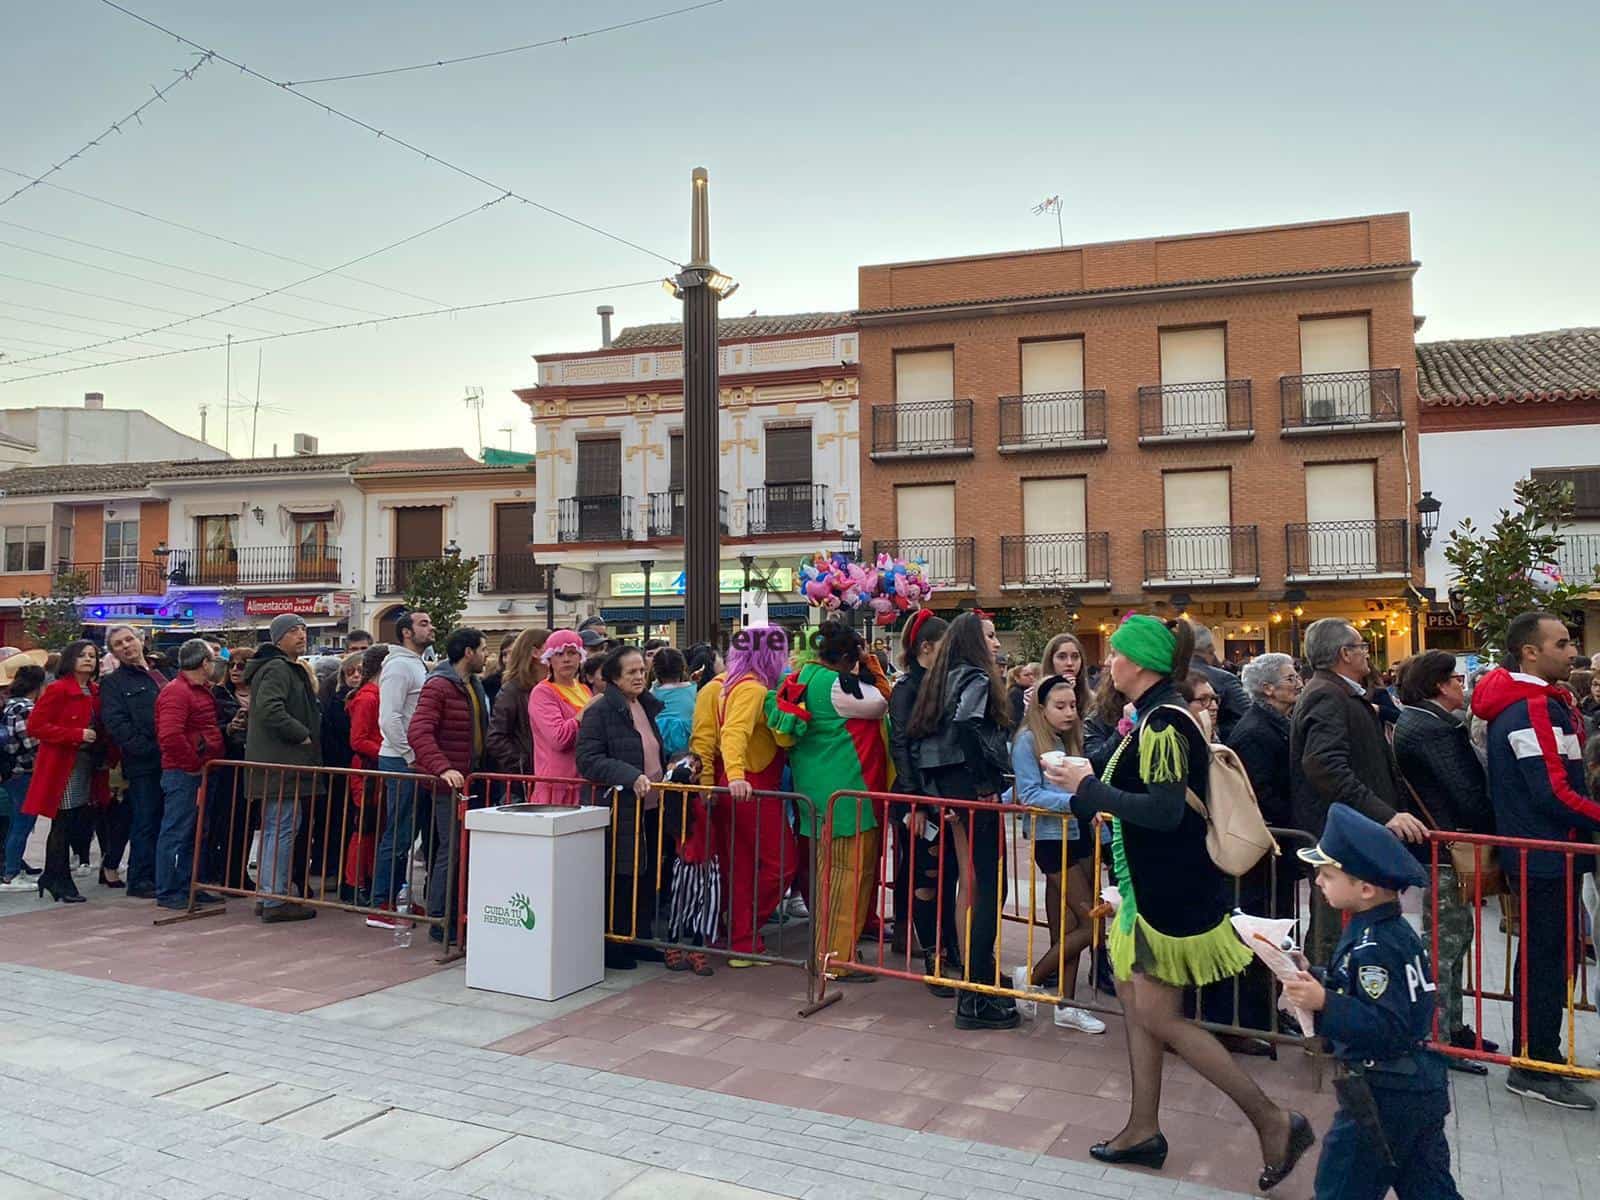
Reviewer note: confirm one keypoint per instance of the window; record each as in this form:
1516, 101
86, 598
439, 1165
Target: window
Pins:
788, 454
1053, 517
24, 547
1199, 515
1341, 512
1048, 369
1585, 483
122, 541
925, 520
600, 466
1335, 348
924, 377
216, 540
313, 539
64, 543
675, 460
1194, 379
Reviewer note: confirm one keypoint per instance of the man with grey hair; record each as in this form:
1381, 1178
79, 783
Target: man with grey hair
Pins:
1338, 754
1231, 701
189, 737
128, 708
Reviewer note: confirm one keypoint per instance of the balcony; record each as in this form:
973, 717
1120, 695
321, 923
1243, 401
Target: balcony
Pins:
1579, 559
596, 519
935, 429
118, 577
1053, 421
1335, 550
247, 565
949, 563
1341, 402
666, 513
1219, 411
511, 574
1214, 554
1044, 560
393, 575
787, 507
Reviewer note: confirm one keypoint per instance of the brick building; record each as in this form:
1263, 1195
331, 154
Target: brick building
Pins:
1223, 423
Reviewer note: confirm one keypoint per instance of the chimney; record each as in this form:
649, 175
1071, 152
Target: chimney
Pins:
605, 311
94, 400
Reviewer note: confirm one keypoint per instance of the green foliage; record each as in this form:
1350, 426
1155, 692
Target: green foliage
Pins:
1035, 626
55, 620
1495, 570
439, 588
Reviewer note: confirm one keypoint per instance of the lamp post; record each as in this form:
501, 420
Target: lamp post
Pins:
701, 287
1295, 598
746, 561
1427, 520
646, 565
851, 537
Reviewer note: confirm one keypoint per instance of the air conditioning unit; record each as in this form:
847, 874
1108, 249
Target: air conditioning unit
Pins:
1321, 412
304, 444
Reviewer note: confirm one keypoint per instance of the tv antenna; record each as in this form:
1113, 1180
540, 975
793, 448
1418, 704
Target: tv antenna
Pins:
474, 401
507, 430
1052, 204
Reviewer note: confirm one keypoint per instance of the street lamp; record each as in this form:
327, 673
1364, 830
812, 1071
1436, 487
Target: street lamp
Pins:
1295, 598
1181, 602
1427, 519
852, 542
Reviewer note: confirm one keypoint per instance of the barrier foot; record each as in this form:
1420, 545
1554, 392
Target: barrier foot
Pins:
817, 1006
192, 914
451, 954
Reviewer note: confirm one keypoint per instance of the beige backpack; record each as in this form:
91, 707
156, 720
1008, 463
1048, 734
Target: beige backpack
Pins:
1237, 837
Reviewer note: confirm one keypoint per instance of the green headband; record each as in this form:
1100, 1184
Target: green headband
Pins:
1147, 642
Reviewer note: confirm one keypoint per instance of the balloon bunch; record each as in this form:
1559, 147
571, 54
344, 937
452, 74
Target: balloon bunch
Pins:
889, 587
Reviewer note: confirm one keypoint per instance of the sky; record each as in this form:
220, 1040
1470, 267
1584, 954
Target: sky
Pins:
835, 134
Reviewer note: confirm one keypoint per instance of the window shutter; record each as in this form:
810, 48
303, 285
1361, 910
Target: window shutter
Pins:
1585, 483
788, 455
675, 460
600, 466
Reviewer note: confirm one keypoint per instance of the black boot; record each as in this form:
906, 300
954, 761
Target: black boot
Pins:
986, 1012
931, 966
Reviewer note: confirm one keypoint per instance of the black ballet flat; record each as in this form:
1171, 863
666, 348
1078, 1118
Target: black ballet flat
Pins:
1152, 1153
1301, 1139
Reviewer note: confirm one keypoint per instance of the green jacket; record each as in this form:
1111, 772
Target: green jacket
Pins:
285, 723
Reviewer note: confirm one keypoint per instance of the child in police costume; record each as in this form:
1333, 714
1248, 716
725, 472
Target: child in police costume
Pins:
1375, 1005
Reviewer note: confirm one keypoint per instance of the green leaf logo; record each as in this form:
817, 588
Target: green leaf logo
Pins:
522, 903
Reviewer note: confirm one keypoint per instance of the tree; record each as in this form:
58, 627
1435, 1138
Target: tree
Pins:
439, 588
55, 620
1035, 626
1511, 568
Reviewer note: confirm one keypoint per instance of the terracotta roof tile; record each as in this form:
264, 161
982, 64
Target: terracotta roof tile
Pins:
1562, 364
670, 333
78, 478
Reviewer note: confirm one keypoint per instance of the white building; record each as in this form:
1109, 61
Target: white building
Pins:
42, 437
610, 437
1496, 410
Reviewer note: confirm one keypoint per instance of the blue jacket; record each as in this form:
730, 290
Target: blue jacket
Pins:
1032, 790
1535, 768
676, 717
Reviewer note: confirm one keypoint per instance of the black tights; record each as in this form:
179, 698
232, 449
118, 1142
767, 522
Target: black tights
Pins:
71, 826
1071, 927
933, 902
1154, 1014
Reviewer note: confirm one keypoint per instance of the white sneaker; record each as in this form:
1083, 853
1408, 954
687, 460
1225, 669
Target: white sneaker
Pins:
795, 908
20, 883
1068, 1017
1019, 981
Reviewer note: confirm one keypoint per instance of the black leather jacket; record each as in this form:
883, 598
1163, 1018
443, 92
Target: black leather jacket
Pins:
967, 737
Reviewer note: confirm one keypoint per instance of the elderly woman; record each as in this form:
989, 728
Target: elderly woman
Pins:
554, 706
1171, 930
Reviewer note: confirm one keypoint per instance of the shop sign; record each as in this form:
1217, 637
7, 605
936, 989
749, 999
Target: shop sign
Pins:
272, 606
1446, 620
339, 603
630, 584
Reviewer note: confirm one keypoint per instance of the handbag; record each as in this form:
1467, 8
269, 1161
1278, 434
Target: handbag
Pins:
1476, 866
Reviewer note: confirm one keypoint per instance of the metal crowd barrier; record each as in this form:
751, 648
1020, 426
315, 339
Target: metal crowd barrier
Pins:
306, 819
1519, 924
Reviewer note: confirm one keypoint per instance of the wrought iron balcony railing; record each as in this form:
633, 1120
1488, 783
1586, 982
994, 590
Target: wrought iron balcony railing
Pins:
949, 562
118, 577
502, 574
1215, 553
1042, 560
666, 513
1052, 421
787, 507
930, 429
1579, 559
596, 519
393, 575
245, 565
1346, 549
1320, 403
1219, 410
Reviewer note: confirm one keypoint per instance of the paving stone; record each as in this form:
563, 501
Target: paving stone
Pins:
664, 1185
424, 1139
269, 1104
564, 1172
329, 1118
145, 1074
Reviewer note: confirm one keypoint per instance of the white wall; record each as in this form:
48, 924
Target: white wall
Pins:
1472, 473
98, 435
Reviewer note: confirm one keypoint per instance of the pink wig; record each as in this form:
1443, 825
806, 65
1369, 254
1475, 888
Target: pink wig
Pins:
761, 652
561, 639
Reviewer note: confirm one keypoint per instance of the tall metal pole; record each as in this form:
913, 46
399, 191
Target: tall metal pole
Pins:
702, 550
647, 565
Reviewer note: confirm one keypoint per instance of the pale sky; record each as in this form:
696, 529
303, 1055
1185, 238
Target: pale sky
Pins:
835, 133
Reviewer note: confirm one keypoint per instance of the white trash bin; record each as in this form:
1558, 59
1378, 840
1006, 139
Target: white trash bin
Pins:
536, 899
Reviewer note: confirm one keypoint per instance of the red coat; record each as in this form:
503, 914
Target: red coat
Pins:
441, 731
365, 738
186, 726
58, 721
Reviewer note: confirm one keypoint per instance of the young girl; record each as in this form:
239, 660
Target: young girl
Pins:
1066, 863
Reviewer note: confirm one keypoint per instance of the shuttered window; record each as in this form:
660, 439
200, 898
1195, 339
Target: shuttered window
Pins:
788, 454
1055, 366
925, 511
923, 375
1052, 506
1585, 483
600, 466
675, 460
1329, 344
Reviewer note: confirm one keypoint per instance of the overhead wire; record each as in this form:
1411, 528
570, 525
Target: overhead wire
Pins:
61, 287
30, 307
217, 237
562, 40
369, 322
156, 262
211, 314
384, 135
184, 75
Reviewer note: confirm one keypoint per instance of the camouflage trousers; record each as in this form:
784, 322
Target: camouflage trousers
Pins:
1455, 942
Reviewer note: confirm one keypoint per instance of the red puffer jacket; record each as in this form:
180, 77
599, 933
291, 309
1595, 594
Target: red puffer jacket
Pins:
365, 737
441, 730
186, 726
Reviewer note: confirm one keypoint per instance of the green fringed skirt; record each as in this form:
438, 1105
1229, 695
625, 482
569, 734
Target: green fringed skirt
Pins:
1180, 961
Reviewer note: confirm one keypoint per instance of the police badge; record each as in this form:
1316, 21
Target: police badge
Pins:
1374, 980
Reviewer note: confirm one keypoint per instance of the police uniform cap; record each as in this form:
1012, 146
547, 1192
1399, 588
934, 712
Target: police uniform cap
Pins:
1360, 847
